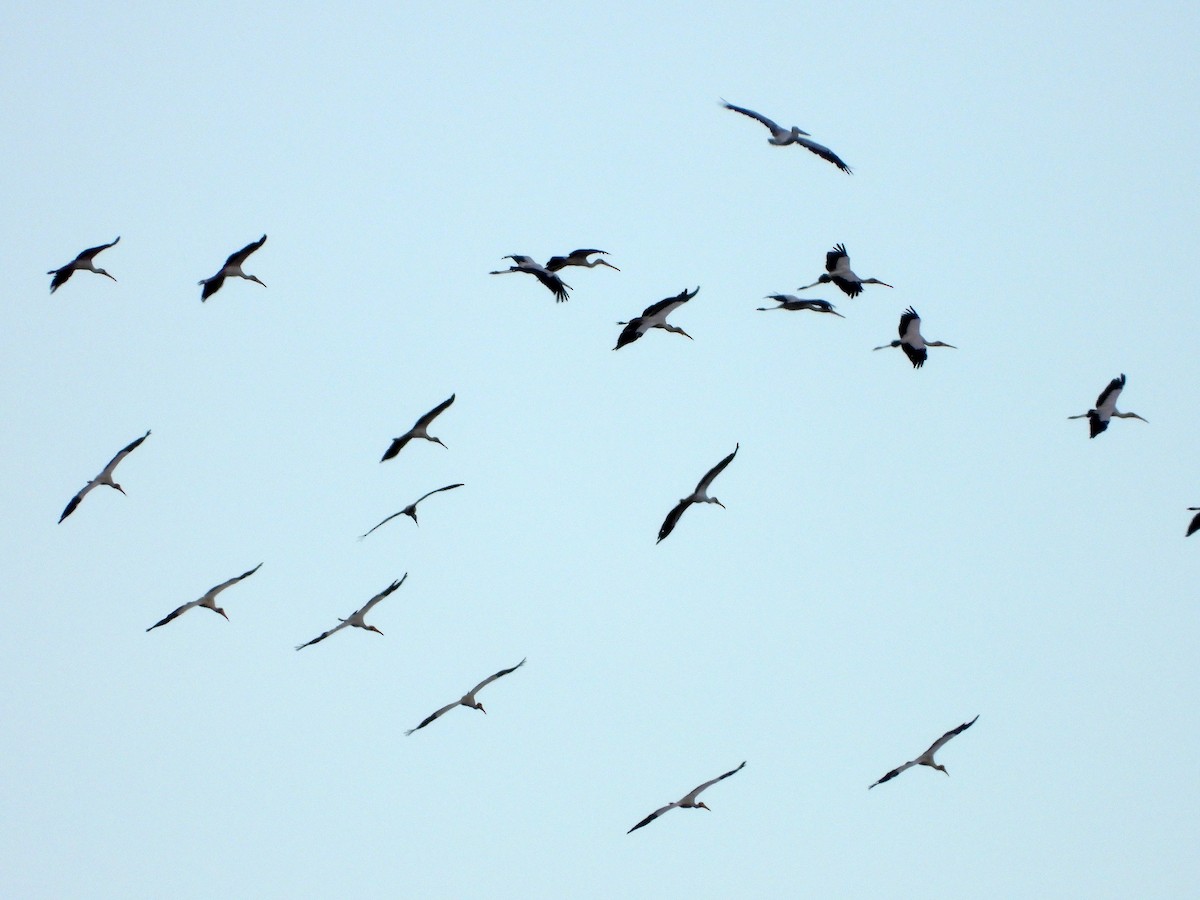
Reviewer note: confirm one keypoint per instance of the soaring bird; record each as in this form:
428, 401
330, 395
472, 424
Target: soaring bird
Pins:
578, 258
467, 699
1106, 408
356, 618
699, 495
208, 601
84, 260
232, 267
655, 316
688, 802
419, 430
926, 758
781, 137
529, 266
911, 341
792, 302
411, 509
838, 271
105, 477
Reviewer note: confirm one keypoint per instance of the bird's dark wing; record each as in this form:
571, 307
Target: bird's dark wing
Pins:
630, 333
124, 452
74, 502
1115, 385
717, 469
892, 774
834, 256
384, 522
825, 153
1194, 526
758, 117
212, 592
1096, 425
492, 678
211, 286
174, 614
240, 257
650, 818
672, 519
696, 791
916, 356
933, 748
850, 288
60, 276
448, 487
445, 709
387, 590
321, 637
670, 304
434, 413
907, 319
395, 447
92, 251
555, 285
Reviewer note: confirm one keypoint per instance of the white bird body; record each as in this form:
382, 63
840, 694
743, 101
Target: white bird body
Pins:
1106, 408
912, 342
419, 430
530, 266
699, 495
781, 137
356, 619
208, 601
793, 303
85, 261
926, 758
232, 269
688, 802
105, 477
467, 699
838, 272
655, 316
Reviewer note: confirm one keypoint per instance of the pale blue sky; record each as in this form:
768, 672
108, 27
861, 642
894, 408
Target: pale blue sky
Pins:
902, 550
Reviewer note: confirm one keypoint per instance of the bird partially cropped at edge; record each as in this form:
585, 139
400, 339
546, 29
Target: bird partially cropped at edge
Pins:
926, 758
688, 801
1194, 525
411, 509
356, 617
1106, 408
838, 272
579, 258
105, 477
85, 261
699, 495
781, 137
530, 266
912, 342
208, 601
655, 316
419, 430
467, 699
232, 268
793, 303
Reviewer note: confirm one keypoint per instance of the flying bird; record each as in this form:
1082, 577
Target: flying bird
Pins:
208, 601
699, 495
467, 699
838, 271
1106, 408
578, 258
781, 137
911, 341
411, 509
1194, 525
529, 266
419, 430
792, 302
926, 758
232, 267
688, 802
655, 316
85, 260
356, 618
105, 477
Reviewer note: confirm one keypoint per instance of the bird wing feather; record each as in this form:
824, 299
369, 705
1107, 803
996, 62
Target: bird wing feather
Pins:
174, 614
435, 412
492, 678
691, 798
716, 470
936, 745
672, 519
650, 818
825, 153
445, 709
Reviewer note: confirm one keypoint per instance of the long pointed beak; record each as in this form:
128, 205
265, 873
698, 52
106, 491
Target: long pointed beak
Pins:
686, 335
610, 265
102, 272
807, 286
119, 488
222, 612
838, 314
719, 503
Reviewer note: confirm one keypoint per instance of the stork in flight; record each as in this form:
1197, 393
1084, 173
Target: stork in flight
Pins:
1106, 408
419, 430
411, 509
356, 618
655, 316
467, 699
781, 137
85, 260
232, 267
911, 340
529, 266
688, 802
105, 477
838, 271
926, 758
793, 303
208, 601
578, 258
699, 495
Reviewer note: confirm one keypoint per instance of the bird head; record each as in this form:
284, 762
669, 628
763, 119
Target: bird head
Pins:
256, 279
373, 628
119, 488
105, 274
218, 609
438, 441
702, 805
479, 706
718, 502
677, 330
941, 769
599, 262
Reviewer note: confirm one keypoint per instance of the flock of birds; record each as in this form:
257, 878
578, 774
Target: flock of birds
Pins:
837, 272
